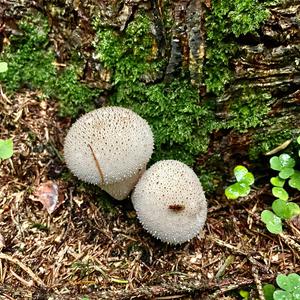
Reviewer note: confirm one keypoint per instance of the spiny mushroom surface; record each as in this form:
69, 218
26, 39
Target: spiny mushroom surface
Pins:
109, 146
170, 202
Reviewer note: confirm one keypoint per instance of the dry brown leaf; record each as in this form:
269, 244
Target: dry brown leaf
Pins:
47, 193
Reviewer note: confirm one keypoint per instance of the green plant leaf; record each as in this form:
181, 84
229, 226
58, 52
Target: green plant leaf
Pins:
294, 181
268, 290
238, 189
277, 181
248, 179
296, 295
280, 193
286, 172
267, 216
283, 161
243, 189
298, 139
284, 283
3, 67
284, 209
280, 208
282, 295
231, 192
275, 163
287, 161
294, 280
240, 172
275, 228
273, 223
6, 148
244, 294
294, 209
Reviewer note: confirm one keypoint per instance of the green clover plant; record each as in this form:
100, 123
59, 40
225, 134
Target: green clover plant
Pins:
241, 188
6, 149
289, 288
6, 146
282, 208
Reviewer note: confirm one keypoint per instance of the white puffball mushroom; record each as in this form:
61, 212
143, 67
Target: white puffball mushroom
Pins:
109, 146
170, 202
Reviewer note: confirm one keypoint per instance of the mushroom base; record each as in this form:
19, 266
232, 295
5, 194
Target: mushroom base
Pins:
120, 190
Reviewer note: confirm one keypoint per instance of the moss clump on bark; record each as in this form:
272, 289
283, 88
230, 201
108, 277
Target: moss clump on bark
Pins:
32, 64
180, 124
225, 21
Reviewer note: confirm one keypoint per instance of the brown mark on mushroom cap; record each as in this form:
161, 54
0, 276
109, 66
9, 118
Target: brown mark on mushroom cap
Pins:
170, 202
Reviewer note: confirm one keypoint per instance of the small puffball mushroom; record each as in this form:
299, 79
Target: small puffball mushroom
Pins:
170, 202
109, 146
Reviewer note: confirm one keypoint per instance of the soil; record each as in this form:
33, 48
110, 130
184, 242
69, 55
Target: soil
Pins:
89, 246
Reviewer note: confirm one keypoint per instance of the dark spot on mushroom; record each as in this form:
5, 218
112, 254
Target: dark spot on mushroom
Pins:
176, 207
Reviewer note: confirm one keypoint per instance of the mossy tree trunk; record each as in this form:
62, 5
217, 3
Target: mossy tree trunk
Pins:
256, 110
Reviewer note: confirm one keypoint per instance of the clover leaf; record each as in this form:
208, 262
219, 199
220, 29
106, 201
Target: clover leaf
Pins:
236, 190
290, 286
273, 223
282, 161
286, 172
282, 295
242, 187
268, 290
280, 193
243, 175
6, 149
285, 210
277, 181
294, 181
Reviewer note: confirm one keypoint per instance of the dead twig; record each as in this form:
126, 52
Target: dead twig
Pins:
290, 242
253, 261
25, 268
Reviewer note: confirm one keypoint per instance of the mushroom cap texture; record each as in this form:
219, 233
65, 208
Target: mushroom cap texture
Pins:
170, 202
108, 145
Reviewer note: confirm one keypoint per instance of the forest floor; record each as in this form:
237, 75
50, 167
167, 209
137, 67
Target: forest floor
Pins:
91, 247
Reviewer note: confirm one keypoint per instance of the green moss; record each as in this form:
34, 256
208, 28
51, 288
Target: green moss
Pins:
180, 124
224, 22
248, 109
31, 65
267, 140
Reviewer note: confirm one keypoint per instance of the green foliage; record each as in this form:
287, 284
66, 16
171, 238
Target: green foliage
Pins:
268, 290
248, 109
3, 67
31, 65
180, 124
6, 149
285, 210
244, 294
289, 288
273, 222
225, 21
282, 208
242, 187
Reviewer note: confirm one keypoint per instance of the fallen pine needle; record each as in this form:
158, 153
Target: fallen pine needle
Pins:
24, 267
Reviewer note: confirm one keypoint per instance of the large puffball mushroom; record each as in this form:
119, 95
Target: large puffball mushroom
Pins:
109, 146
170, 202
